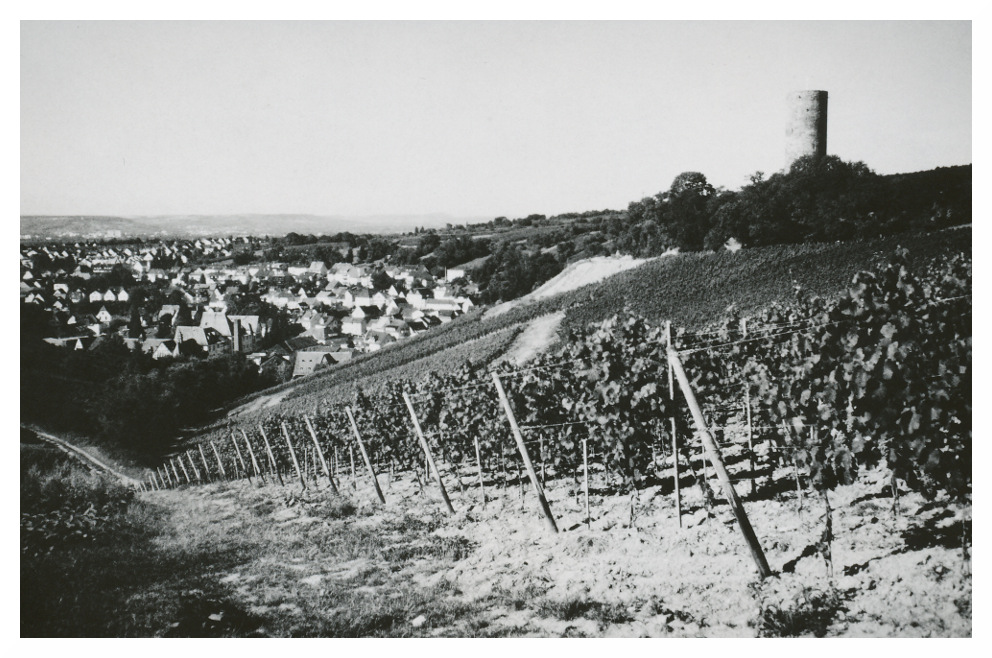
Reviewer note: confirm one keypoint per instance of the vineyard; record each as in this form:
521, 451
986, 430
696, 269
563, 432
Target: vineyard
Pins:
819, 389
689, 290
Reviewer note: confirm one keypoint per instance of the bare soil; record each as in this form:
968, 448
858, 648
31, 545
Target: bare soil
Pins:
409, 568
535, 339
576, 275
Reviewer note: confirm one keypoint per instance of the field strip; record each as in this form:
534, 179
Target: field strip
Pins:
81, 454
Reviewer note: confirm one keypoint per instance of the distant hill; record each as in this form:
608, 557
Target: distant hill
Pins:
35, 227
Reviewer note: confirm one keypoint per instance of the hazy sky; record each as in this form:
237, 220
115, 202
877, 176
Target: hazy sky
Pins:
467, 118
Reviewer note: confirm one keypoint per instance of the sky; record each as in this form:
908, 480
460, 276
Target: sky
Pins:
472, 119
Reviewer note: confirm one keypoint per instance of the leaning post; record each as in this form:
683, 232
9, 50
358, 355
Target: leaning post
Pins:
292, 453
427, 452
192, 465
747, 414
206, 466
272, 458
675, 443
545, 507
365, 455
173, 462
251, 453
220, 464
716, 460
179, 458
241, 459
585, 485
478, 462
320, 454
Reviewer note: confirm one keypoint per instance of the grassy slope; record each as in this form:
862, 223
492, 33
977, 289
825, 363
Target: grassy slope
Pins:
691, 290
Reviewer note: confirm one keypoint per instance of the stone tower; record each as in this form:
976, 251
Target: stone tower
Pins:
806, 125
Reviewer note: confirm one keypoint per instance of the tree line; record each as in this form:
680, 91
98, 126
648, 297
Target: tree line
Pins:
125, 397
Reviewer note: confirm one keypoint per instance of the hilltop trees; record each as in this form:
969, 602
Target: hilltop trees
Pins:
818, 199
679, 217
687, 209
511, 272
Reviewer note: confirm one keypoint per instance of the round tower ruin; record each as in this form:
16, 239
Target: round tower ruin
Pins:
805, 125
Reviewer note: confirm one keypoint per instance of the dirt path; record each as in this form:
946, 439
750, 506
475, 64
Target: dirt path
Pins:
82, 455
259, 403
576, 275
534, 340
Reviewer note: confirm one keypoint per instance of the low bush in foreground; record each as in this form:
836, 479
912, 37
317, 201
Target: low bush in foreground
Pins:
811, 613
63, 503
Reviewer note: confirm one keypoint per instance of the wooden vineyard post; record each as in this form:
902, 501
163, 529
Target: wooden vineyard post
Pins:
354, 471
272, 458
675, 443
427, 453
585, 485
192, 465
747, 415
251, 453
220, 465
292, 453
165, 482
502, 464
520, 482
365, 455
795, 468
714, 453
478, 463
168, 479
189, 480
241, 459
320, 454
206, 466
173, 462
542, 461
545, 507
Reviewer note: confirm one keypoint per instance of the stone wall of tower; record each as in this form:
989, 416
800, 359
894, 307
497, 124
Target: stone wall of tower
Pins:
806, 125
